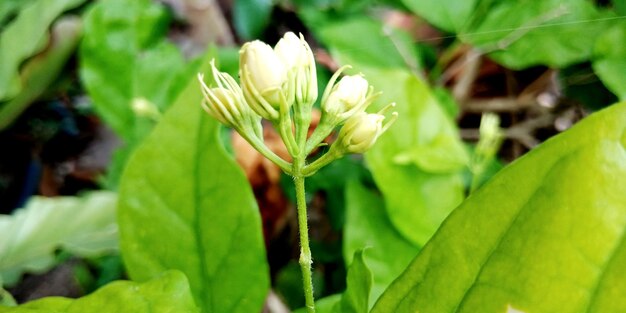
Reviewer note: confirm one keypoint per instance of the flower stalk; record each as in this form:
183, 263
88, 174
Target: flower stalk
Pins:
280, 85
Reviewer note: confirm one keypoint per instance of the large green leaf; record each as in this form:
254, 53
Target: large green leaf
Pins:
42, 70
367, 225
125, 59
610, 59
546, 234
25, 36
185, 204
417, 164
169, 292
84, 226
524, 33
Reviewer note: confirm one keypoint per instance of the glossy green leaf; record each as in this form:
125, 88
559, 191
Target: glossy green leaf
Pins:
251, 17
125, 59
417, 164
367, 225
521, 34
83, 226
25, 36
169, 292
186, 205
449, 15
355, 298
546, 234
610, 59
42, 70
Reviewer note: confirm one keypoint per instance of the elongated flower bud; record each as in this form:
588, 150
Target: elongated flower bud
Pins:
351, 95
361, 131
291, 51
226, 102
298, 58
263, 76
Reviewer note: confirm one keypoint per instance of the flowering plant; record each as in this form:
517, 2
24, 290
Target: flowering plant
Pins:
280, 85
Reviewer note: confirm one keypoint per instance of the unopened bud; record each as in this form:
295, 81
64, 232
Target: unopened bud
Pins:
291, 51
351, 95
263, 76
298, 58
361, 130
143, 107
225, 102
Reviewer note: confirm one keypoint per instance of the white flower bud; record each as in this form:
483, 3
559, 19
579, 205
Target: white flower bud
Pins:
226, 102
347, 97
263, 76
291, 51
360, 132
298, 58
216, 104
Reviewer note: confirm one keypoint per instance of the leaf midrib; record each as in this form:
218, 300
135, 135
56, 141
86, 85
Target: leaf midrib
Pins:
197, 228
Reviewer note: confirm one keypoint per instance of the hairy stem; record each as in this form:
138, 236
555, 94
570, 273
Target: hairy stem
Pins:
305, 250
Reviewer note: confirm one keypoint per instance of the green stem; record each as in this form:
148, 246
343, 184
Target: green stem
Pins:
265, 151
305, 250
324, 160
319, 134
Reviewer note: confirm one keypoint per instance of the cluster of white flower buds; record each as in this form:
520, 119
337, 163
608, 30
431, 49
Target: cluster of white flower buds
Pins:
280, 85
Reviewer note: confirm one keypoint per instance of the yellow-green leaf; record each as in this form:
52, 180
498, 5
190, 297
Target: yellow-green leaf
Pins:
546, 234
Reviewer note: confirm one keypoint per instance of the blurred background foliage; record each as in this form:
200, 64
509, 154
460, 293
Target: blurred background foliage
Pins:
82, 83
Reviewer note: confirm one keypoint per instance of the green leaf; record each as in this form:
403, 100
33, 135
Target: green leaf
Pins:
619, 6
84, 226
186, 205
418, 163
251, 17
169, 292
449, 15
25, 36
610, 59
546, 234
9, 8
358, 284
127, 63
42, 70
125, 59
363, 40
6, 299
512, 31
367, 225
